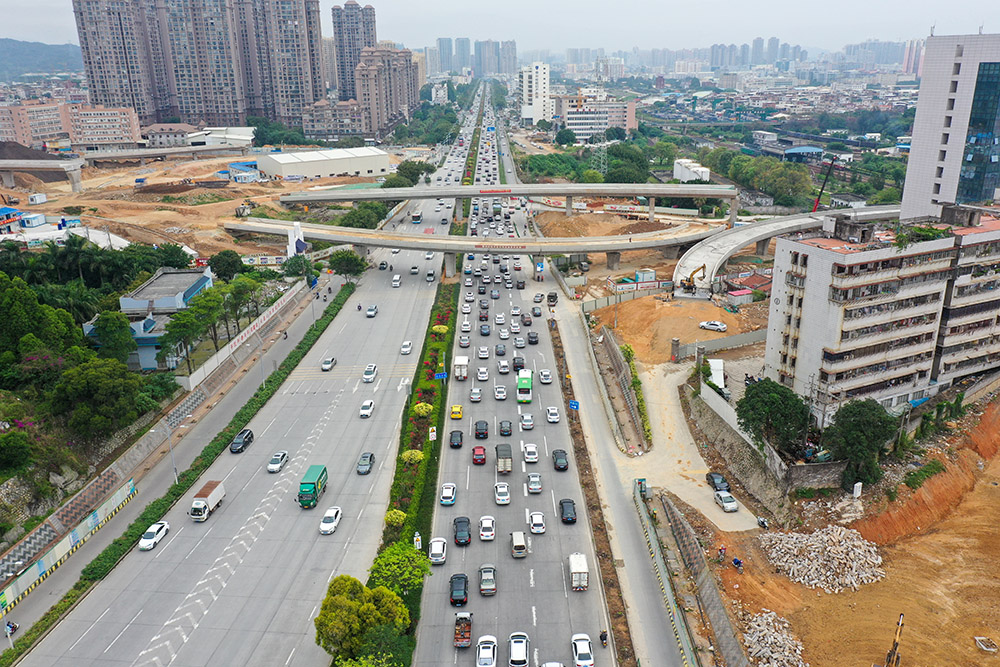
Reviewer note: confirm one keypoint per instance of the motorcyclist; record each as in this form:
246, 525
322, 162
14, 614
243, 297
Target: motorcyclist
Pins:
11, 627
286, 335
737, 563
604, 637
359, 306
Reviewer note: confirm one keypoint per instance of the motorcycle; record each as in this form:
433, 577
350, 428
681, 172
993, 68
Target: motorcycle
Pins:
12, 628
604, 638
762, 522
324, 297
286, 335
738, 564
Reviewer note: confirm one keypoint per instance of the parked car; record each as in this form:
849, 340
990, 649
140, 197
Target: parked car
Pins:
712, 325
725, 500
717, 481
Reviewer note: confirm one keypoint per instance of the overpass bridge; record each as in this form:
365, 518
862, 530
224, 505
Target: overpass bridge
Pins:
567, 190
715, 251
72, 168
667, 239
143, 154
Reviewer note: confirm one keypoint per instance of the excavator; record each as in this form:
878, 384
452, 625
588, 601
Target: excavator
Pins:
687, 284
8, 200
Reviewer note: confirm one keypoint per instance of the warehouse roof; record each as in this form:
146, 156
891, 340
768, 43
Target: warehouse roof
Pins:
318, 156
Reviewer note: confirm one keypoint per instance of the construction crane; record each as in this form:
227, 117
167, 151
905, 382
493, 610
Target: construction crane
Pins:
823, 187
687, 284
892, 657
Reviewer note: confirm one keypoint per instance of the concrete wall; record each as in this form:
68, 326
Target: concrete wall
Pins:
816, 475
727, 343
620, 297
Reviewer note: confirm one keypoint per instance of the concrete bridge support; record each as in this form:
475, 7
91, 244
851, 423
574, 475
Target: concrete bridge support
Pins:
449, 264
734, 205
75, 177
362, 250
671, 252
614, 260
762, 246
569, 205
652, 209
7, 179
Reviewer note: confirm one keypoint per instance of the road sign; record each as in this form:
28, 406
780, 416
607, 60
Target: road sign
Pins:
432, 434
539, 267
574, 405
491, 129
440, 376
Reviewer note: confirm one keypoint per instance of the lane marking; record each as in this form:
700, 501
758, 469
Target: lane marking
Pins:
127, 626
88, 630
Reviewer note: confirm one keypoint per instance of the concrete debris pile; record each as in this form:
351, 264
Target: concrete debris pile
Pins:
769, 642
832, 558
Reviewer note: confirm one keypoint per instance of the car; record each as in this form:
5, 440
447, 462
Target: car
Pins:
328, 364
530, 452
500, 392
414, 270
372, 311
560, 460
365, 463
527, 422
484, 316
462, 531
382, 266
467, 271
532, 338
406, 347
331, 519
534, 482
484, 352
538, 298
459, 587
242, 440
475, 395
486, 651
506, 428
371, 370
536, 523
717, 481
583, 650
464, 341
504, 334
466, 308
456, 412
518, 649
278, 461
500, 350
478, 455
455, 439
567, 510
481, 289
395, 251
501, 493
429, 254
482, 374
725, 500
545, 376
515, 327
508, 284
519, 342
503, 367
153, 535
526, 319
487, 528
469, 297
494, 294
515, 311
487, 581
519, 284
466, 326
713, 325
484, 330
449, 493
499, 318
484, 304
367, 408
482, 430
497, 279
437, 551
552, 414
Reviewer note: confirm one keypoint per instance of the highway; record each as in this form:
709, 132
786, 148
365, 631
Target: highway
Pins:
533, 593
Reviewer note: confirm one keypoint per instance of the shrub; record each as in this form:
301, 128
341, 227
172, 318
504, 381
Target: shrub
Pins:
395, 518
915, 478
422, 409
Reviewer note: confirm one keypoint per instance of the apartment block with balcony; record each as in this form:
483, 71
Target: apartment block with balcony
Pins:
862, 311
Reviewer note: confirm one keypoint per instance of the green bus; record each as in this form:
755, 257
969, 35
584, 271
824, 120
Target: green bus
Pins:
524, 386
312, 486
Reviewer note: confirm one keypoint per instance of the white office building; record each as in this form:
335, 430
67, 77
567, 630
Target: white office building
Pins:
533, 87
955, 151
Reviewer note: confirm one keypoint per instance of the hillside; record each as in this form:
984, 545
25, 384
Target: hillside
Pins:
17, 57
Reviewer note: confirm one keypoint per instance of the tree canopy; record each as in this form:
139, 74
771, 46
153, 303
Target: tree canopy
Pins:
347, 263
400, 568
350, 609
565, 136
226, 264
100, 396
774, 413
413, 170
397, 181
859, 431
114, 336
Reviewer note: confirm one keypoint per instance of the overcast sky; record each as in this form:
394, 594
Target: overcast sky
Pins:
619, 24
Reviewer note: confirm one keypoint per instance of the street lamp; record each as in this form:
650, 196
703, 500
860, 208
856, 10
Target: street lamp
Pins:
170, 445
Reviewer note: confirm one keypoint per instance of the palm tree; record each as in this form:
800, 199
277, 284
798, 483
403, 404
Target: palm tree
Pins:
54, 254
74, 297
38, 270
94, 259
73, 253
12, 260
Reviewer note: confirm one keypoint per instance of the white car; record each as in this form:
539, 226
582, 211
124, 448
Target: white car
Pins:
153, 535
468, 282
503, 367
536, 523
501, 493
712, 325
725, 500
583, 650
437, 551
545, 376
475, 395
469, 297
499, 318
367, 408
527, 422
530, 452
466, 326
518, 343
504, 334
406, 347
371, 370
484, 352
500, 392
330, 521
552, 415
534, 482
449, 493
278, 461
486, 651
395, 251
482, 373
515, 311
466, 308
429, 254
487, 528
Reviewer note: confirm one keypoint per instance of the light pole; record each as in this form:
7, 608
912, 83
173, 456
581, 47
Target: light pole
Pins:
170, 445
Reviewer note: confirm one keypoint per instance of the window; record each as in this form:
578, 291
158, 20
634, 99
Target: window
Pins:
954, 87
942, 155
805, 259
958, 51
947, 121
795, 258
951, 104
944, 139
956, 69
939, 173
937, 188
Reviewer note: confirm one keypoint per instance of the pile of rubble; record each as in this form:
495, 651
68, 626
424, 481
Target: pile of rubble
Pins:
832, 558
769, 642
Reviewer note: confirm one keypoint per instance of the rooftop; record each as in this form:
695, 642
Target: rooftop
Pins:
331, 154
885, 237
167, 283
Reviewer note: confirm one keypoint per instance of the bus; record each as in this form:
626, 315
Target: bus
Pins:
524, 386
312, 486
416, 217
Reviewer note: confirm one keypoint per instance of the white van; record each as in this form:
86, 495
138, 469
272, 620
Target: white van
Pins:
518, 544
396, 280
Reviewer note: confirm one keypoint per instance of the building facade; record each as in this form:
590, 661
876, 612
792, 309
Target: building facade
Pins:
353, 30
386, 89
591, 112
445, 54
86, 127
332, 120
508, 58
533, 88
463, 53
955, 149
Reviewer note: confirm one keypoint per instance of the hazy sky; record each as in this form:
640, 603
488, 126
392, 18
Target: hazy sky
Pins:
619, 24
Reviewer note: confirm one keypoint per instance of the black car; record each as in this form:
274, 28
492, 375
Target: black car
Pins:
484, 330
532, 338
526, 319
518, 363
496, 259
504, 268
382, 266
505, 427
455, 439
482, 430
536, 311
481, 289
567, 510
717, 481
459, 590
560, 460
484, 316
520, 284
501, 350
463, 531
365, 463
241, 441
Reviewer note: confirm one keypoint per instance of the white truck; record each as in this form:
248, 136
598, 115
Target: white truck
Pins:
579, 575
207, 500
461, 368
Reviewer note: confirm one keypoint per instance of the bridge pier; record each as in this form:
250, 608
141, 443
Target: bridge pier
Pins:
670, 252
652, 209
569, 205
364, 251
75, 177
614, 259
7, 178
762, 246
449, 265
734, 206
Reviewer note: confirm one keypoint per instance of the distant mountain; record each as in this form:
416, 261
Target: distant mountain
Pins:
17, 58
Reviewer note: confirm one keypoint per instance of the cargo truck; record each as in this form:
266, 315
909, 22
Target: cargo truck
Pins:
207, 500
463, 629
312, 486
461, 368
504, 459
579, 575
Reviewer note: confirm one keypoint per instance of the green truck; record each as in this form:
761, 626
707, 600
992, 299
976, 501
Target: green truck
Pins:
312, 486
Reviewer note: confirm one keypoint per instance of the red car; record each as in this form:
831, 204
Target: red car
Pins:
479, 455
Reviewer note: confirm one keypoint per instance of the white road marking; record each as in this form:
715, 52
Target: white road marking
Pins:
357, 385
534, 611
127, 625
89, 629
167, 544
289, 661
199, 542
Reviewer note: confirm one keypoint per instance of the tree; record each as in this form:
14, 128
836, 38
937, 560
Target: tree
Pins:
413, 170
397, 181
615, 134
349, 609
101, 396
543, 125
625, 174
859, 431
665, 151
591, 176
773, 413
226, 264
15, 450
241, 290
348, 263
565, 136
183, 330
400, 568
114, 336
209, 307
297, 266
379, 659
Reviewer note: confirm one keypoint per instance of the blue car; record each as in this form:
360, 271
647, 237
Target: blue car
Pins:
467, 270
471, 256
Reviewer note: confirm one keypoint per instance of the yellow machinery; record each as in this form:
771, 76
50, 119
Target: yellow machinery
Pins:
687, 284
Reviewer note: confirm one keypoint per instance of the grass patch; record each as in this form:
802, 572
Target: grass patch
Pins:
916, 478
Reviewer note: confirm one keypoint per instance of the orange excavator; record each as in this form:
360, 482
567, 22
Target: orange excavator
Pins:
687, 284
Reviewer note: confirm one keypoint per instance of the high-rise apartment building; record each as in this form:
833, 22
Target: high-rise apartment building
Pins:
757, 51
463, 53
85, 127
330, 63
508, 57
433, 60
591, 112
420, 60
353, 30
387, 91
955, 150
772, 50
445, 54
487, 58
913, 57
609, 68
536, 102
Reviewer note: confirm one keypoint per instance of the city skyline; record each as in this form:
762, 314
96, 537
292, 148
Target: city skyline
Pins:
51, 21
